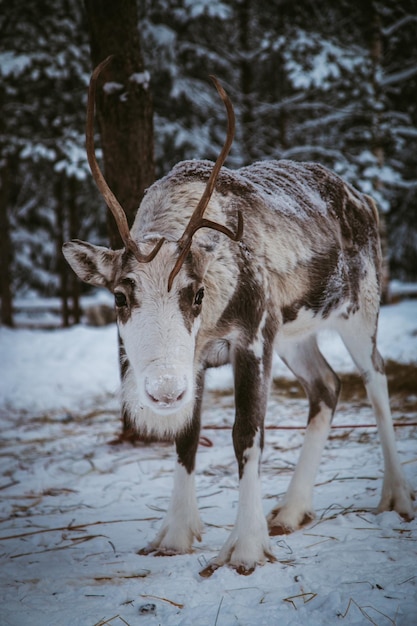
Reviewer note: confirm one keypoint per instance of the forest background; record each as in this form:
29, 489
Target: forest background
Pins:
333, 82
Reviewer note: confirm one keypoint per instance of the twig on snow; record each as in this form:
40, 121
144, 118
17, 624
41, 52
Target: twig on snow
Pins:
108, 621
364, 613
177, 604
306, 597
75, 527
218, 610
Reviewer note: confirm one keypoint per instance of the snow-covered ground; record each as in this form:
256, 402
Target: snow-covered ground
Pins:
74, 510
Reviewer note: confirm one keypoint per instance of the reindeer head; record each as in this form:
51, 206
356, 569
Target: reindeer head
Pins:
158, 283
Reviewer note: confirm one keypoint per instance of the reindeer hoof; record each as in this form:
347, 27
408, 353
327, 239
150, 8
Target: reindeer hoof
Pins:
244, 571
241, 569
279, 529
280, 524
147, 550
399, 500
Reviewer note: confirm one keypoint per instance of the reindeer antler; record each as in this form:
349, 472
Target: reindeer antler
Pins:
109, 197
197, 221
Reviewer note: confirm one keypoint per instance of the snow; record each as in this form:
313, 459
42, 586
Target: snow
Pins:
112, 87
12, 64
75, 510
326, 61
141, 78
201, 8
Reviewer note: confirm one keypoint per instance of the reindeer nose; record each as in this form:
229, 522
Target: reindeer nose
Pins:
166, 390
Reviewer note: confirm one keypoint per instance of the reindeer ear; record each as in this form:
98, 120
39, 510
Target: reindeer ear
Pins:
93, 264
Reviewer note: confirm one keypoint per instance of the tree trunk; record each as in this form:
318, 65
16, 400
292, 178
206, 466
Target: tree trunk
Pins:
124, 106
124, 111
5, 249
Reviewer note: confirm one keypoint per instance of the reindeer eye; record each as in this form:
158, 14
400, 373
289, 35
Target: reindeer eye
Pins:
120, 299
199, 297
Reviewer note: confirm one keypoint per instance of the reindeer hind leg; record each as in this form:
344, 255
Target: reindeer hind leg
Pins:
322, 387
359, 337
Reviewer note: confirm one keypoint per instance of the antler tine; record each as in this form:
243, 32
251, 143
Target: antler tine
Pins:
109, 197
197, 221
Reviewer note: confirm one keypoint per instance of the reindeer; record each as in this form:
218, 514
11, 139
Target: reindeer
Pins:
225, 266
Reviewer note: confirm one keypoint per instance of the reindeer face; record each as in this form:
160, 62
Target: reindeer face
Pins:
158, 327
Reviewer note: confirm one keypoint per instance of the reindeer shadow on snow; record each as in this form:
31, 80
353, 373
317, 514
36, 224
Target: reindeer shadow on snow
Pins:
224, 266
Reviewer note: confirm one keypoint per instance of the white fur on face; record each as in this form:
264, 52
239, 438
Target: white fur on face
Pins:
160, 351
159, 342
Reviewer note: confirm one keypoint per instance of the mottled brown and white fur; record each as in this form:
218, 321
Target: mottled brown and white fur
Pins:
309, 259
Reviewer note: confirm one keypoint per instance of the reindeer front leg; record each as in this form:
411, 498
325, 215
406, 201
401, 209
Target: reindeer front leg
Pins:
248, 544
182, 523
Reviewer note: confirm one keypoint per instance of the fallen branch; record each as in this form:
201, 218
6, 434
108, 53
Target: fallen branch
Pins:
108, 621
364, 613
306, 597
76, 527
177, 604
